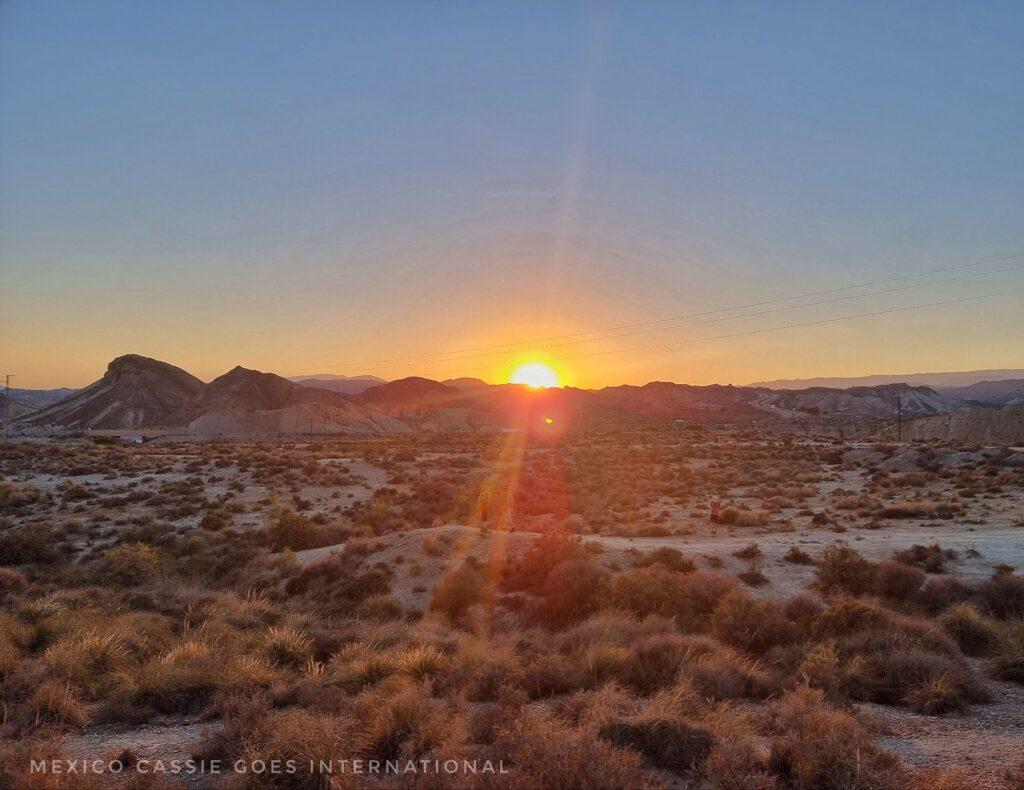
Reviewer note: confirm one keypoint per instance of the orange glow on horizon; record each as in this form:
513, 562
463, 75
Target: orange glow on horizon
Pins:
536, 375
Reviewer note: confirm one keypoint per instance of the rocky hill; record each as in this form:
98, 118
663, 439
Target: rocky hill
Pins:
988, 393
1003, 425
937, 381
347, 385
135, 392
862, 401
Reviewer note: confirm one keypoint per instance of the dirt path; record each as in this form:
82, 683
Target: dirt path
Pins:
155, 745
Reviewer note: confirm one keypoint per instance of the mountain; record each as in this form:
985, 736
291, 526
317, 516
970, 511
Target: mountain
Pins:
342, 384
40, 398
241, 388
936, 380
988, 393
24, 402
135, 392
466, 383
667, 399
861, 401
996, 425
336, 377
410, 395
17, 409
244, 401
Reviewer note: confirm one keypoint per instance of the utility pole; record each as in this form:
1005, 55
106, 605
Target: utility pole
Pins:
7, 408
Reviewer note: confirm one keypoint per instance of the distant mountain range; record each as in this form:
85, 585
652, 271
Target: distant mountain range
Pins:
349, 385
141, 393
936, 380
27, 401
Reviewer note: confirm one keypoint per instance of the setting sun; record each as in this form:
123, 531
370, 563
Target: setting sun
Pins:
536, 375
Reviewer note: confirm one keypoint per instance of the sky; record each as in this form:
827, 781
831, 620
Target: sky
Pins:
356, 188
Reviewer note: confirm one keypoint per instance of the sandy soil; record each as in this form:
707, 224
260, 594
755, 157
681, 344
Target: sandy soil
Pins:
161, 741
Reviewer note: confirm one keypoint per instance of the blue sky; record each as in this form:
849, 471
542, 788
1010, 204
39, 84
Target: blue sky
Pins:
309, 187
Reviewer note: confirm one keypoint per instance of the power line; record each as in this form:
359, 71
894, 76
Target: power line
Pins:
746, 333
446, 355
7, 408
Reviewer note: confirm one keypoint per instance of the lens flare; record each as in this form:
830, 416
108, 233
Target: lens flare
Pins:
536, 375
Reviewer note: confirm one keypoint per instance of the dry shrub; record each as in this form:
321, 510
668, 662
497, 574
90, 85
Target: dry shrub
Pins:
551, 674
597, 707
688, 598
334, 580
822, 668
28, 544
937, 594
460, 588
672, 745
285, 529
654, 661
12, 582
798, 556
749, 552
1008, 662
542, 752
179, 681
920, 509
572, 591
669, 558
844, 569
897, 581
816, 746
287, 647
612, 626
381, 608
803, 609
720, 673
753, 576
402, 721
419, 662
294, 734
531, 569
58, 703
1003, 595
737, 760
752, 624
252, 611
928, 558
16, 757
898, 660
933, 691
359, 664
130, 565
975, 634
481, 668
89, 659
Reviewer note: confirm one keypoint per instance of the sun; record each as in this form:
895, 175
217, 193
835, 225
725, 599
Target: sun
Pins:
536, 375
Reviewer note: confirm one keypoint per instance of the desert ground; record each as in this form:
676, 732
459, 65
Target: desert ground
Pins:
559, 605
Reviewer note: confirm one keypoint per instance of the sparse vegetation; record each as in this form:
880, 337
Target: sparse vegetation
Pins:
583, 655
